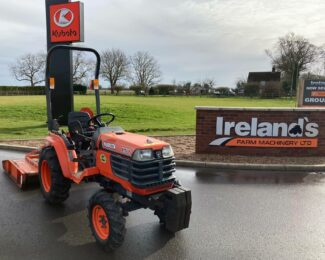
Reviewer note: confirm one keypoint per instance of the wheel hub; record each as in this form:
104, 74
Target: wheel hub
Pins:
103, 221
100, 222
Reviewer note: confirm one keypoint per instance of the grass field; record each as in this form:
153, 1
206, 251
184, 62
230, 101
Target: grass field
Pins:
24, 117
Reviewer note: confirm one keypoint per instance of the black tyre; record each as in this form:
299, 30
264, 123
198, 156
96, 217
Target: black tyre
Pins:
54, 186
106, 220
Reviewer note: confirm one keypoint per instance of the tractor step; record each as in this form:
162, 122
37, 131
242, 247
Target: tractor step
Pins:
22, 170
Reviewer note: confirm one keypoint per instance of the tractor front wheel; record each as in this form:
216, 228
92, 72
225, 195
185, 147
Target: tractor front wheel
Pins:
54, 186
106, 220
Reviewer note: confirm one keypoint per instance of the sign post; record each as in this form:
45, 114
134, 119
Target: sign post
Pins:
64, 20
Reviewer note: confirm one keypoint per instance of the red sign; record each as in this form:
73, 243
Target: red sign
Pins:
66, 22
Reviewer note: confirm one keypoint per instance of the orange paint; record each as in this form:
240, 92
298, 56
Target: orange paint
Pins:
96, 84
318, 93
274, 142
87, 110
46, 176
79, 176
130, 142
68, 166
52, 83
100, 222
66, 22
106, 171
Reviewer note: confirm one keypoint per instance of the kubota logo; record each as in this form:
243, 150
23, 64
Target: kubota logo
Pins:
301, 133
63, 17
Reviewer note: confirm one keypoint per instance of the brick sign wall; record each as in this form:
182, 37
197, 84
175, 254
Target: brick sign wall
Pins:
258, 131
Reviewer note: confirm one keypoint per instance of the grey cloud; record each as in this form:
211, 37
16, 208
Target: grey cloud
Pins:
192, 40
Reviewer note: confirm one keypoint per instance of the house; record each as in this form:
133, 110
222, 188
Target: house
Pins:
269, 82
262, 78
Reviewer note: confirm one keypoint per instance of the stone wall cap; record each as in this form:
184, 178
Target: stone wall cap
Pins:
296, 109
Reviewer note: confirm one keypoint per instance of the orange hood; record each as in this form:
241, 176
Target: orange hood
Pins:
126, 143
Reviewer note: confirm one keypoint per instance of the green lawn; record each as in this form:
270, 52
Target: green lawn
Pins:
24, 117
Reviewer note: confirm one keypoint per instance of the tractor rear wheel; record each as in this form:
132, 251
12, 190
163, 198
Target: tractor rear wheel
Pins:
106, 220
54, 186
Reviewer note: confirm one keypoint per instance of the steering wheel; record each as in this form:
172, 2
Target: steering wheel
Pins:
96, 119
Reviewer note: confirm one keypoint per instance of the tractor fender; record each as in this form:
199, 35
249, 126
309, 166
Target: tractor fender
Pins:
66, 156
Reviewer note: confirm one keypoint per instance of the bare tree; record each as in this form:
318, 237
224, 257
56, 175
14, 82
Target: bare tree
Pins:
208, 85
81, 68
188, 88
322, 59
313, 75
240, 86
29, 67
115, 65
291, 55
145, 70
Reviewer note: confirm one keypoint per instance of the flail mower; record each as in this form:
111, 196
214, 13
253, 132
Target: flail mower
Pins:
134, 171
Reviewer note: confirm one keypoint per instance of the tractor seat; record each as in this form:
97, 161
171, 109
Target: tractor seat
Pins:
78, 124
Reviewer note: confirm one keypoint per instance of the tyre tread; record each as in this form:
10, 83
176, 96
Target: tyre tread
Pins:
60, 186
116, 220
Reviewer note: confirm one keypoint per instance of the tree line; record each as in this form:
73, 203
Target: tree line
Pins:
140, 69
204, 87
293, 55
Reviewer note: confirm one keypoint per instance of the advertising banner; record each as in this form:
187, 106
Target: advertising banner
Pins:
257, 133
311, 93
261, 131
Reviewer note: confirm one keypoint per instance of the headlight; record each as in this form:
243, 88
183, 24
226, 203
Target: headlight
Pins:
167, 151
143, 155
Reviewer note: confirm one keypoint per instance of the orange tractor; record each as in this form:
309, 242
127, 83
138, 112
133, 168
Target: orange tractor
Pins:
135, 171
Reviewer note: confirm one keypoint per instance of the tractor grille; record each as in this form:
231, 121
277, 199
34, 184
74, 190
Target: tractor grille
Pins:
144, 174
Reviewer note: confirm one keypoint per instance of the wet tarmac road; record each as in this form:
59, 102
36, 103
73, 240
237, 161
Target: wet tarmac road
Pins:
236, 215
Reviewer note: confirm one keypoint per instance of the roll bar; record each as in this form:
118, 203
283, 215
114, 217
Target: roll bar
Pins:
51, 125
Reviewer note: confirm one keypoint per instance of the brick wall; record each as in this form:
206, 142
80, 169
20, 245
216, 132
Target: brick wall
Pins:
206, 130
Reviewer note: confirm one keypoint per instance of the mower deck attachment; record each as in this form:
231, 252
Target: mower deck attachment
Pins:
21, 170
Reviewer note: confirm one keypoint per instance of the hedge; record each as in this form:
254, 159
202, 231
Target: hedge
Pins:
38, 90
80, 89
15, 91
251, 90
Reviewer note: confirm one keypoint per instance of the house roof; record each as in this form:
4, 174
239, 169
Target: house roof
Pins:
263, 76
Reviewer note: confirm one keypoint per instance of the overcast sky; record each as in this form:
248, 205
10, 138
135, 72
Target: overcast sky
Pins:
191, 39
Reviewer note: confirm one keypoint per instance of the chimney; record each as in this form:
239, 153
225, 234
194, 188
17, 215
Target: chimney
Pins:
273, 69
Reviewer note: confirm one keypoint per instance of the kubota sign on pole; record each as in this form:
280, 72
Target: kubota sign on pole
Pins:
66, 22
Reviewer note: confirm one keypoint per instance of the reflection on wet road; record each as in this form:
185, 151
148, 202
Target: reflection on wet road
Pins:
236, 215
258, 177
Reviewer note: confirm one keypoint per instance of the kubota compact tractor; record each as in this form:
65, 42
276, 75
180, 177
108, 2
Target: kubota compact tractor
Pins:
135, 171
